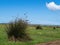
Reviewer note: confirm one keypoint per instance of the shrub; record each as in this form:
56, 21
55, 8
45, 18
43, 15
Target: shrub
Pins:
54, 27
17, 30
38, 27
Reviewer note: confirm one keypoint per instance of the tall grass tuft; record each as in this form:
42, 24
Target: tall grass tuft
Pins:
16, 30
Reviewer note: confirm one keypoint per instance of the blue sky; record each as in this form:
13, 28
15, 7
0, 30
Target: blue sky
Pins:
37, 11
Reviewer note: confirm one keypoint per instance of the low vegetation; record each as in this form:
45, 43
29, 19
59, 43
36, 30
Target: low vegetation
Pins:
46, 34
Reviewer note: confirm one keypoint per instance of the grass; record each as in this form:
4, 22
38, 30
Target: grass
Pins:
38, 36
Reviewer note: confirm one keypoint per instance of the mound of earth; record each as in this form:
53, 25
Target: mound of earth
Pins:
57, 42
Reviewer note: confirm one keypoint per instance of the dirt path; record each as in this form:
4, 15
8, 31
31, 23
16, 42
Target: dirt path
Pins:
57, 42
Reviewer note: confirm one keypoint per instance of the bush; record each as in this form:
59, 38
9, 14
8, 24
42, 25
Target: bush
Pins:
38, 27
54, 27
17, 30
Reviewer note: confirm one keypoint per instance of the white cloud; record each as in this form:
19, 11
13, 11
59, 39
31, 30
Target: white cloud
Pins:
52, 6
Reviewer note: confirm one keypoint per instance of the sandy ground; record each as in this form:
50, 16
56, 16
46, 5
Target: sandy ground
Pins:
57, 42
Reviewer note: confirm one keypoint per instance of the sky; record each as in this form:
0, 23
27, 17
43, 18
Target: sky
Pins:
36, 11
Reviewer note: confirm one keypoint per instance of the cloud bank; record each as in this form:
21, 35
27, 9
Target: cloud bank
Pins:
52, 6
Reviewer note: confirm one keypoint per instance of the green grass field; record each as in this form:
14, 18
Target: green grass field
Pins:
38, 36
